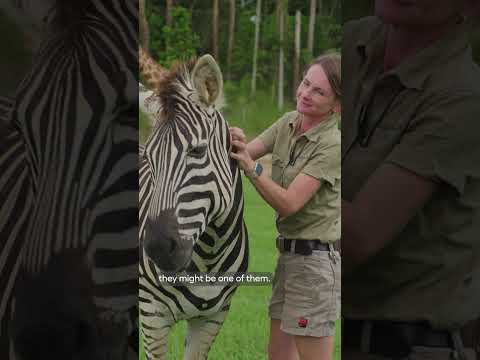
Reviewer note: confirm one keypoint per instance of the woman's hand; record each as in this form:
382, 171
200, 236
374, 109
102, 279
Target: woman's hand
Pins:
239, 147
285, 201
237, 134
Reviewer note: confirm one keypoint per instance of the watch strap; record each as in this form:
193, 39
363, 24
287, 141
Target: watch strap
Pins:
255, 172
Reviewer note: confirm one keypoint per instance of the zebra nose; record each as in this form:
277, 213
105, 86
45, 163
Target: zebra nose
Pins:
163, 244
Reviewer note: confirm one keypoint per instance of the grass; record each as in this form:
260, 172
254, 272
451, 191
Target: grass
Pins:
252, 114
244, 335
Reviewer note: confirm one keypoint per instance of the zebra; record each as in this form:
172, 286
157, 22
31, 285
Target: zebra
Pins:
191, 210
15, 204
76, 292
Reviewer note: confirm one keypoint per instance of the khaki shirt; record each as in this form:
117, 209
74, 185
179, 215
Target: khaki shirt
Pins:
315, 153
423, 116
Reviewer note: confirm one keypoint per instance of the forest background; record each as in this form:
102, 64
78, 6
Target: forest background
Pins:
262, 61
262, 47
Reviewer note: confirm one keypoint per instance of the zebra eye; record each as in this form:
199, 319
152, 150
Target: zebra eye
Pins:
198, 151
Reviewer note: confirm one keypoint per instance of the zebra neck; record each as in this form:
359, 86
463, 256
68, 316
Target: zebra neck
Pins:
227, 235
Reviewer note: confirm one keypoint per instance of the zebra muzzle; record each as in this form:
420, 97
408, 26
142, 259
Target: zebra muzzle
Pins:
54, 316
163, 243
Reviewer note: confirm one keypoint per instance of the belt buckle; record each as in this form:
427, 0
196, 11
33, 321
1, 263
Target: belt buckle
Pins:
281, 243
366, 336
293, 243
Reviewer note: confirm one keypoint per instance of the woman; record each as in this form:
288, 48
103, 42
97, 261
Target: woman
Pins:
305, 192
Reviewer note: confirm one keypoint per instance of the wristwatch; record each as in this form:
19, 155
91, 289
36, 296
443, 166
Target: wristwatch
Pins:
255, 172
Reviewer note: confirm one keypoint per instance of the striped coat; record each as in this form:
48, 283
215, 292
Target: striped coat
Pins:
191, 212
76, 111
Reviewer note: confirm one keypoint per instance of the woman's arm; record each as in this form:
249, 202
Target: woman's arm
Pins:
285, 201
256, 148
381, 209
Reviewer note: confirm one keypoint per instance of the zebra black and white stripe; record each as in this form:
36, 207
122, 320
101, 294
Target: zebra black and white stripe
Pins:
15, 206
77, 114
188, 182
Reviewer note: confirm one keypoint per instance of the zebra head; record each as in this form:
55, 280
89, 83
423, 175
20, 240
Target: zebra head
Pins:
188, 156
39, 13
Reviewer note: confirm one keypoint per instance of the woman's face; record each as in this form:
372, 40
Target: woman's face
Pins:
315, 97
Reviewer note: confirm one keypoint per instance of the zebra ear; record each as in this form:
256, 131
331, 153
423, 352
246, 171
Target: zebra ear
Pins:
207, 80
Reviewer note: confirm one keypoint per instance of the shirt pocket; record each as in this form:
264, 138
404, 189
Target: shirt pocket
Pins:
292, 170
374, 150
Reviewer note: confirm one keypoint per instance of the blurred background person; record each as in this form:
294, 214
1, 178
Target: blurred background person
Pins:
410, 182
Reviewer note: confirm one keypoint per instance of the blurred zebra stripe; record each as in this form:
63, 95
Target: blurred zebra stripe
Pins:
77, 113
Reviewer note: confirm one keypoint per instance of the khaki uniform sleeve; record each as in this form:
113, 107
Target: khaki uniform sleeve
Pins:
325, 163
269, 136
442, 143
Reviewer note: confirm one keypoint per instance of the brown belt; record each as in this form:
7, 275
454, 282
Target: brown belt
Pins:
300, 247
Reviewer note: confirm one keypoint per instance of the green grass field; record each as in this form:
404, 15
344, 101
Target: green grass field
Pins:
244, 334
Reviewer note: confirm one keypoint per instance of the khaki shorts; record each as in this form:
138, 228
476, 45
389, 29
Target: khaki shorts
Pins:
306, 293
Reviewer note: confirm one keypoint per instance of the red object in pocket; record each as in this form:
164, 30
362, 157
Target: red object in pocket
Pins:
302, 322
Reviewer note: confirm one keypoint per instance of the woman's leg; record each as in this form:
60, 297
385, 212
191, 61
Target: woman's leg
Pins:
315, 348
312, 303
281, 345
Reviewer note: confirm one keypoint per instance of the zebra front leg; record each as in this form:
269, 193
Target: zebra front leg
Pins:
201, 333
155, 327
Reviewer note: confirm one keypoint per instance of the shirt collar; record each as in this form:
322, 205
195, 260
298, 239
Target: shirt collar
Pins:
314, 134
413, 72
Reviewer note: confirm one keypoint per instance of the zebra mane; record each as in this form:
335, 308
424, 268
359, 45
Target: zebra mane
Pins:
70, 11
176, 83
172, 85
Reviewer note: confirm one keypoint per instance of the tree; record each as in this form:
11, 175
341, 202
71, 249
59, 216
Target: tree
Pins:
180, 41
296, 63
255, 48
311, 26
215, 29
236, 39
144, 29
335, 5
168, 13
231, 38
281, 56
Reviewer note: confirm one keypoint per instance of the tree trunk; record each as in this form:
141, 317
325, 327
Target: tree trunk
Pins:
334, 7
215, 30
168, 12
191, 4
231, 39
311, 26
281, 31
255, 48
144, 30
296, 63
